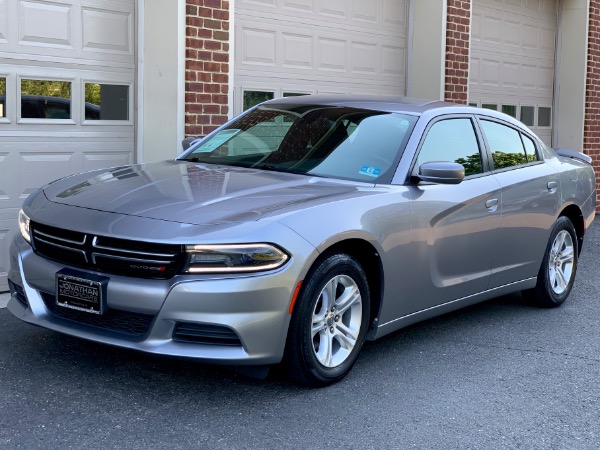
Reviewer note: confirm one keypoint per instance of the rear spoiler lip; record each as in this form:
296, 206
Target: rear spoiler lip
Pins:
568, 153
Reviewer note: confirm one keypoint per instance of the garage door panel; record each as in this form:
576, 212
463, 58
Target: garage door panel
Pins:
305, 44
75, 41
512, 58
89, 30
44, 24
107, 31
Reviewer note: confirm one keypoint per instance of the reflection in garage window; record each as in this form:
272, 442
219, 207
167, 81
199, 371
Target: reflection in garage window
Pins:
473, 104
293, 94
544, 116
2, 97
511, 110
45, 99
527, 113
489, 106
253, 98
106, 101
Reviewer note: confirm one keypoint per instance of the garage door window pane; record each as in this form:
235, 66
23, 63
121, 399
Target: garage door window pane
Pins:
511, 110
106, 101
293, 94
544, 116
527, 113
2, 97
489, 106
505, 145
452, 140
253, 98
45, 99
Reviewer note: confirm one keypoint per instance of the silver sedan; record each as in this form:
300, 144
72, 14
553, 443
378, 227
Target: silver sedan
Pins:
302, 228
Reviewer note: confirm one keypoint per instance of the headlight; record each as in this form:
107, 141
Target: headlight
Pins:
234, 258
24, 226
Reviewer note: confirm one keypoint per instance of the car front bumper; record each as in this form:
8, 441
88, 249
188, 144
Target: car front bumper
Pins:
252, 310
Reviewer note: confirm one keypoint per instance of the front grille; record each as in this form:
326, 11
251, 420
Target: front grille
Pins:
205, 334
19, 291
126, 322
107, 255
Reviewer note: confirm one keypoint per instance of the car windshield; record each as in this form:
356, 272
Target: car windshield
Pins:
329, 141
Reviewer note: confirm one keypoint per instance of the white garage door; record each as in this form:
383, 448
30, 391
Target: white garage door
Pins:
66, 96
512, 59
290, 47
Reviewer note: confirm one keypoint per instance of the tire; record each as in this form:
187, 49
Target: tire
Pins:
559, 266
329, 322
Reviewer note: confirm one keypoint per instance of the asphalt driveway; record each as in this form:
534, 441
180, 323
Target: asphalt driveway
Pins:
501, 374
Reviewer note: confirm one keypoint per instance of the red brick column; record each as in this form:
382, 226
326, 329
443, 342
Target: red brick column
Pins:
207, 65
458, 37
591, 123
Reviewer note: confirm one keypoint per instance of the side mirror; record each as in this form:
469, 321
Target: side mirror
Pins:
442, 172
188, 141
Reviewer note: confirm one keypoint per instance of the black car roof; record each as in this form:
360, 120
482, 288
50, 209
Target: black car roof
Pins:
375, 102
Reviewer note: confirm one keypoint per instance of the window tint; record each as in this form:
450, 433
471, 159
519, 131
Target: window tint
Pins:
452, 140
530, 149
341, 142
505, 144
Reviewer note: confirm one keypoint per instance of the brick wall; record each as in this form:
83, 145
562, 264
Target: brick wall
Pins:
207, 65
591, 124
457, 50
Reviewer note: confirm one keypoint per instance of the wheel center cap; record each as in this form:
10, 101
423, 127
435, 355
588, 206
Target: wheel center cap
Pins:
330, 321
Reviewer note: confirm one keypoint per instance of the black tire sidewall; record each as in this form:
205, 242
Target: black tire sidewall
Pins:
334, 265
546, 296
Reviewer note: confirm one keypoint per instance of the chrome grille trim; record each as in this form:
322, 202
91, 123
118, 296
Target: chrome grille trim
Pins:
62, 246
124, 258
63, 239
121, 250
107, 254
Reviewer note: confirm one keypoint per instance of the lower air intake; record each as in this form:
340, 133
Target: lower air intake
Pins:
206, 334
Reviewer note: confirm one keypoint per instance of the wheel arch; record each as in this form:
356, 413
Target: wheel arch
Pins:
574, 214
369, 259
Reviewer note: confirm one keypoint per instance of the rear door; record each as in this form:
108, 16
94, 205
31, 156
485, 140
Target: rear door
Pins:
530, 200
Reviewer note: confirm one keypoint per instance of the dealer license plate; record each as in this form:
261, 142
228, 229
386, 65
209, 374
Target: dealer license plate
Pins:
81, 291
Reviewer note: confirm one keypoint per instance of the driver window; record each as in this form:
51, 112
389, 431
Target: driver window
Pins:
451, 140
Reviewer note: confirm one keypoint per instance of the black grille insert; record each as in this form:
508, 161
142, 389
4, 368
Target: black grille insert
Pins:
107, 255
126, 322
205, 334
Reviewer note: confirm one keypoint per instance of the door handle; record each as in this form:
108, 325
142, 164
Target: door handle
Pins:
492, 204
551, 185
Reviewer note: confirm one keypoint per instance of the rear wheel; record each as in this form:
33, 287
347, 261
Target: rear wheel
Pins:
557, 273
329, 323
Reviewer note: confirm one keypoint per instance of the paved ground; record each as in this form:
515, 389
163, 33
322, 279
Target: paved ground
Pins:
497, 375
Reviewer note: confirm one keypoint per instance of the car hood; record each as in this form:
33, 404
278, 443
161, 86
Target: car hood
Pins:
185, 192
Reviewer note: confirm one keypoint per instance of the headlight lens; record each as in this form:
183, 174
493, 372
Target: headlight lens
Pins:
234, 258
24, 226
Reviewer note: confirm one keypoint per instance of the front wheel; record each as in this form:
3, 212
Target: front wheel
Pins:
557, 273
329, 322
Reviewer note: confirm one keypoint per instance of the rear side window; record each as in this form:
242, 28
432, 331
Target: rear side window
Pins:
530, 149
505, 145
451, 140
